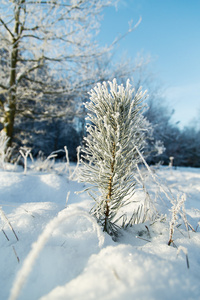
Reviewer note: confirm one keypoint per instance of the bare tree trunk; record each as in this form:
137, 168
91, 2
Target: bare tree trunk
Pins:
9, 120
10, 110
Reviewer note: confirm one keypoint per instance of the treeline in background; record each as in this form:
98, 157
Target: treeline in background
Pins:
50, 59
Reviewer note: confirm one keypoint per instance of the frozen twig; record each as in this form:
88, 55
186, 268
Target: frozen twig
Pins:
181, 248
138, 237
67, 159
176, 208
5, 235
150, 202
67, 198
3, 216
154, 177
77, 164
46, 164
25, 152
178, 205
16, 254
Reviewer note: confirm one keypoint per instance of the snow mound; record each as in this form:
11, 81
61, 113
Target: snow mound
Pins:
63, 254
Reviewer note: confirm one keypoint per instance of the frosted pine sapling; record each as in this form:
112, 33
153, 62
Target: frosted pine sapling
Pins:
115, 126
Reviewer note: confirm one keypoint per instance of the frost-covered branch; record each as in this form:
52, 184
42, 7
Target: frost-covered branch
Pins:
7, 28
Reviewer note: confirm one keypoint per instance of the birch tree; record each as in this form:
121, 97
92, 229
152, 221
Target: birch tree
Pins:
46, 49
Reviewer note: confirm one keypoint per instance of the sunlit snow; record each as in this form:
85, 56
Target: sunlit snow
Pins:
68, 255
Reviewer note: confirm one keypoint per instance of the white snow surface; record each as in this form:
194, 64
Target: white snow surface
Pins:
61, 253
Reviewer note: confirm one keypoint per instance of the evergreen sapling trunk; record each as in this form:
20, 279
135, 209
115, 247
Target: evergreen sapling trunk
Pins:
115, 128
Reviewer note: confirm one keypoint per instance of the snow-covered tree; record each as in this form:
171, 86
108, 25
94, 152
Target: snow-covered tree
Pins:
46, 49
116, 129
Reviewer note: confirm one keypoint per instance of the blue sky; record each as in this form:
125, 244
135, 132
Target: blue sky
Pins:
170, 33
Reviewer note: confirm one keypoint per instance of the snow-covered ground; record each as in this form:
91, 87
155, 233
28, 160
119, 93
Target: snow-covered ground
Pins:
50, 250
